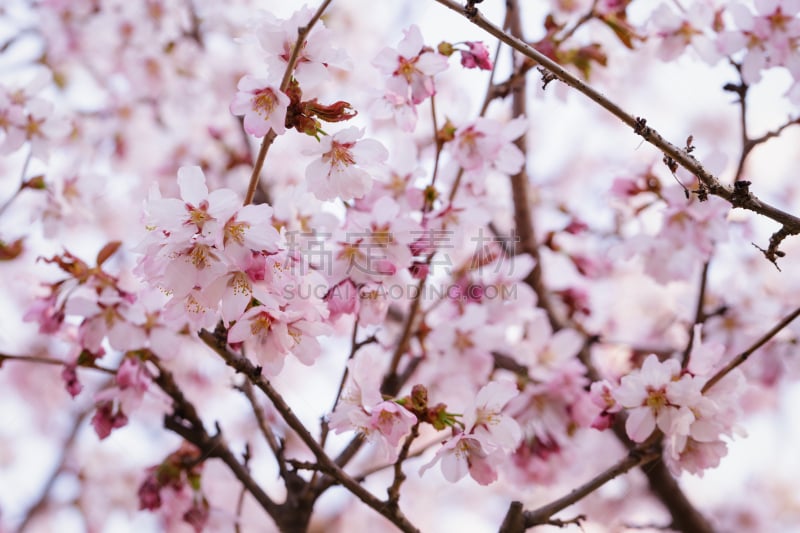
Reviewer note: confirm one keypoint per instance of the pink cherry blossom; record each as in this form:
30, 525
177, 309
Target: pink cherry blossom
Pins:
487, 438
318, 53
263, 106
264, 329
487, 422
198, 211
687, 29
362, 409
652, 398
392, 421
411, 67
767, 37
487, 143
341, 169
463, 454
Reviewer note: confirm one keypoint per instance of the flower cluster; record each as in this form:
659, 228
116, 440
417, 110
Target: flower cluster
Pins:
108, 316
687, 237
174, 488
755, 40
660, 395
219, 261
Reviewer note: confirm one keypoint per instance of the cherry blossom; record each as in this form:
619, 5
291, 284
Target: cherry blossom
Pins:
338, 172
278, 38
488, 436
487, 143
766, 36
687, 29
263, 106
411, 67
362, 409
654, 398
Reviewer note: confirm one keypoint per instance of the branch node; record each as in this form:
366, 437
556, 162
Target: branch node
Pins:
564, 523
470, 10
741, 193
547, 76
640, 127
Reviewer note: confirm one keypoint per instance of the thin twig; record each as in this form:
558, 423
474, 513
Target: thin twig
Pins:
22, 183
742, 357
589, 15
50, 361
263, 426
633, 459
394, 490
240, 501
416, 453
41, 502
699, 314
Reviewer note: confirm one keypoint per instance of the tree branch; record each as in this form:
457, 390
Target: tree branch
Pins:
742, 357
520, 194
517, 520
737, 198
244, 366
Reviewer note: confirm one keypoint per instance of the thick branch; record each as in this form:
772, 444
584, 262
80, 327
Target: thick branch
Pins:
523, 220
244, 366
684, 515
185, 421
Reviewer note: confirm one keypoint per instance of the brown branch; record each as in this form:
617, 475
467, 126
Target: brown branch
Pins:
394, 490
517, 520
237, 526
748, 144
50, 361
391, 383
247, 389
699, 314
589, 15
253, 373
185, 421
520, 193
416, 453
685, 517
